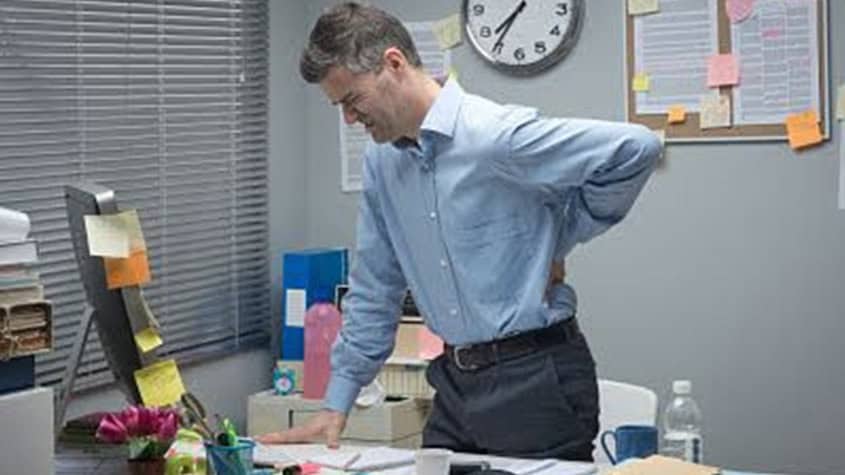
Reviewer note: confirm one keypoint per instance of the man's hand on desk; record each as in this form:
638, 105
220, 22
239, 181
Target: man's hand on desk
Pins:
326, 425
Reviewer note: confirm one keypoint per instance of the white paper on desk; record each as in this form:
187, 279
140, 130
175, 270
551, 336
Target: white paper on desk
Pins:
367, 460
779, 67
547, 467
14, 225
672, 49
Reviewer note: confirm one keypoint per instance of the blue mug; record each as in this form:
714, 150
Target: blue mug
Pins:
631, 441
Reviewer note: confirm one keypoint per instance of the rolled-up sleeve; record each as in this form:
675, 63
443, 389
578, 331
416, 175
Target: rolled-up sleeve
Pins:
371, 308
595, 169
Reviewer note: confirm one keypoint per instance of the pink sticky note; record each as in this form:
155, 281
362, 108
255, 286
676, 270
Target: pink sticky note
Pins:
722, 70
739, 10
430, 345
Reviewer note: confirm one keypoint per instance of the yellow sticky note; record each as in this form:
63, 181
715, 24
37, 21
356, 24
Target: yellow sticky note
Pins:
803, 129
840, 103
148, 340
132, 227
641, 82
642, 7
677, 114
715, 112
134, 270
160, 384
448, 31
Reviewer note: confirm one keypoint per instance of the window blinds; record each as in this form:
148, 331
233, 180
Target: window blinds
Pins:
166, 103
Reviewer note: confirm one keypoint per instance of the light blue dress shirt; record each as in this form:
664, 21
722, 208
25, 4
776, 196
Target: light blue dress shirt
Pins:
471, 218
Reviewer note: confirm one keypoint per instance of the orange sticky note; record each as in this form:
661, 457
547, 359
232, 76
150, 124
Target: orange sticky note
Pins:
677, 114
722, 70
134, 270
641, 83
803, 129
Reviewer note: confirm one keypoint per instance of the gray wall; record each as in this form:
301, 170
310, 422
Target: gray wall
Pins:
728, 272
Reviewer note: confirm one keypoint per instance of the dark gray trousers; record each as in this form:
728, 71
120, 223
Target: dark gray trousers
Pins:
540, 405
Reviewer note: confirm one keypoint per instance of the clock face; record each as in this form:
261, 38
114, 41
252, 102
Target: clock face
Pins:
523, 36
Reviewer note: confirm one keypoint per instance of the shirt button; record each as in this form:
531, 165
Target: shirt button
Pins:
443, 263
432, 215
453, 312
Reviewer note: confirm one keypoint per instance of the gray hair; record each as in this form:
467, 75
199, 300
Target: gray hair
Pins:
354, 36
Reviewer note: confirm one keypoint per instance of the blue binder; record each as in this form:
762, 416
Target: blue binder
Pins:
309, 276
17, 373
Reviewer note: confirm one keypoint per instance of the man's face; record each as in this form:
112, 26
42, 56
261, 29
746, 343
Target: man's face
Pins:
369, 98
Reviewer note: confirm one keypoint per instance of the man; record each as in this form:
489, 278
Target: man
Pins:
474, 206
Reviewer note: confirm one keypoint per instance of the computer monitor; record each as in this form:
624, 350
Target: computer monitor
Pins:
109, 307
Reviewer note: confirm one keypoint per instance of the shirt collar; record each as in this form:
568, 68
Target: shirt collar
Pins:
443, 113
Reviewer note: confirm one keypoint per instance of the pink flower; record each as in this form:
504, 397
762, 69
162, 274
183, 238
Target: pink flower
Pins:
131, 419
168, 427
112, 430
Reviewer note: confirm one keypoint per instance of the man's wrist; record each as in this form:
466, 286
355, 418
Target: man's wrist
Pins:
340, 394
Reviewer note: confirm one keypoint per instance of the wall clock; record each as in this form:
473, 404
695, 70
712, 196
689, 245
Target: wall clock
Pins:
523, 37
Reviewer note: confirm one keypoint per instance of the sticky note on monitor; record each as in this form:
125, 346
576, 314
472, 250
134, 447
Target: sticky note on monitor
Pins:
107, 236
147, 340
641, 83
722, 70
134, 270
643, 7
803, 129
677, 114
160, 384
448, 31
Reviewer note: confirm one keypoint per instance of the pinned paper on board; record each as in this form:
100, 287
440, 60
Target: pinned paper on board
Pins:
448, 31
134, 270
677, 114
643, 7
715, 112
840, 103
641, 83
803, 129
739, 10
722, 70
114, 235
148, 340
160, 384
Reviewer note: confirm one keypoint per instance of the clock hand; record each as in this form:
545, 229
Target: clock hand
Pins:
507, 22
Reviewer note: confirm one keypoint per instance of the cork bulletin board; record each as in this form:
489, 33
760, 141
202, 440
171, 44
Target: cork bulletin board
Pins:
690, 130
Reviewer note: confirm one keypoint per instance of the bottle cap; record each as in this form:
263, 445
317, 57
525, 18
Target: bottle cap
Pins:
682, 386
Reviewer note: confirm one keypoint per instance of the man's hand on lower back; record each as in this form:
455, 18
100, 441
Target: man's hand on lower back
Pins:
325, 425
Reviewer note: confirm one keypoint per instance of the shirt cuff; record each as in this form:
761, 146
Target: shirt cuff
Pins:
341, 394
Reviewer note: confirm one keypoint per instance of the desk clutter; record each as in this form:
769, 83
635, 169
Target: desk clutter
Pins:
26, 326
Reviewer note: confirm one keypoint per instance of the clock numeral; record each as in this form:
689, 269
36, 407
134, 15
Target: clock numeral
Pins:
486, 32
478, 9
555, 31
497, 48
562, 9
519, 54
540, 47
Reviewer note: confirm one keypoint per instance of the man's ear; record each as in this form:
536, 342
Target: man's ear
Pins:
394, 60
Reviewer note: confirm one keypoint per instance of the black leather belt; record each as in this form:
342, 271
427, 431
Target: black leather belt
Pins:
481, 355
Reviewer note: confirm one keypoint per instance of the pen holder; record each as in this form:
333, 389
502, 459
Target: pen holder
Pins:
230, 460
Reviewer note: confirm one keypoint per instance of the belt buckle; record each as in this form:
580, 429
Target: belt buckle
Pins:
456, 356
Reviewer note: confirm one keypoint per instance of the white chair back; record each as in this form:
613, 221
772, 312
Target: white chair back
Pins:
620, 404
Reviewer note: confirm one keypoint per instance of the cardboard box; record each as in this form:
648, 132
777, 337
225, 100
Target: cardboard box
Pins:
396, 423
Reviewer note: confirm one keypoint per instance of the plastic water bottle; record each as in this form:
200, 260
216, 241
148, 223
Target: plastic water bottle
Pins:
682, 425
322, 324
